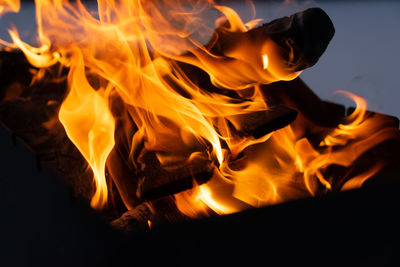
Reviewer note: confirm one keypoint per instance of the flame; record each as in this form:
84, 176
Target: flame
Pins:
93, 133
285, 168
265, 61
135, 50
9, 6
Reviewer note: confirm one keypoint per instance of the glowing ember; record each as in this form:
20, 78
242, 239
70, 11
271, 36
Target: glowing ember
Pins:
138, 53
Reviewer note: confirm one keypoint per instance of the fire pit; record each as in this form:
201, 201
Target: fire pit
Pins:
164, 115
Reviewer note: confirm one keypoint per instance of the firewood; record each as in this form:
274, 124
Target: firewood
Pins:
137, 172
27, 113
255, 124
136, 219
315, 117
304, 36
30, 112
15, 74
154, 180
149, 214
307, 33
258, 124
297, 95
119, 166
158, 181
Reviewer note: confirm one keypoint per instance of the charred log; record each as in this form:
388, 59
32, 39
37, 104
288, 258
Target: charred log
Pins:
121, 170
306, 33
30, 111
304, 36
159, 181
148, 215
15, 74
258, 124
316, 118
136, 219
297, 95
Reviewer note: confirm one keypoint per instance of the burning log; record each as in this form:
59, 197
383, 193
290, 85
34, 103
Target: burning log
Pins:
305, 34
304, 37
255, 124
153, 180
316, 117
297, 95
136, 219
258, 124
14, 72
122, 172
239, 58
158, 181
29, 109
139, 175
149, 214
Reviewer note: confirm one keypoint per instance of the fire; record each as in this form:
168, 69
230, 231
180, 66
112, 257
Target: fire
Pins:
135, 51
9, 6
93, 133
294, 169
265, 61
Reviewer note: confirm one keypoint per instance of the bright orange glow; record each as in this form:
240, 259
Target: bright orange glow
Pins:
206, 197
136, 51
90, 126
358, 180
284, 168
9, 6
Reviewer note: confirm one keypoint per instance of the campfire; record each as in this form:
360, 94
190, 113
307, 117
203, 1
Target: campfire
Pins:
159, 111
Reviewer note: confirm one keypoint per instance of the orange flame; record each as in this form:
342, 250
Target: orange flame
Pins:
284, 168
93, 132
134, 48
9, 6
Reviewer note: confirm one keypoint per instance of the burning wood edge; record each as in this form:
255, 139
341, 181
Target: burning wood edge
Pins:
392, 120
149, 214
136, 219
304, 36
160, 181
298, 96
29, 110
258, 124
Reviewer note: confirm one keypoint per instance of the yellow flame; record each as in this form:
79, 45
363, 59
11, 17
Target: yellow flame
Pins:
89, 124
265, 61
206, 197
